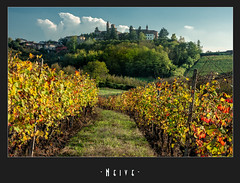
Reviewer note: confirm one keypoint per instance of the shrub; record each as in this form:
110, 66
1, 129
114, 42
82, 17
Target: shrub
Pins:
56, 66
69, 69
179, 71
97, 70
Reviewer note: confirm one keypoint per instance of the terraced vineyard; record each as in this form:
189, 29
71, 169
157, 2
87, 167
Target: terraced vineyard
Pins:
217, 63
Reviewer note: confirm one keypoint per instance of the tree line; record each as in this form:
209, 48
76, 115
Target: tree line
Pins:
162, 57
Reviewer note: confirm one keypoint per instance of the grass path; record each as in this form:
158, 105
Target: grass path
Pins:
112, 135
105, 92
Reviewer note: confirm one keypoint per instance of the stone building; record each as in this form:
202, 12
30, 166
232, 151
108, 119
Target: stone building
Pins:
101, 35
150, 34
110, 31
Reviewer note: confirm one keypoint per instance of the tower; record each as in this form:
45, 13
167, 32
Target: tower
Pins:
107, 26
146, 27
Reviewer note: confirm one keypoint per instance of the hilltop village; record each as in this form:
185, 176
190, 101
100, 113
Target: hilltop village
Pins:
111, 32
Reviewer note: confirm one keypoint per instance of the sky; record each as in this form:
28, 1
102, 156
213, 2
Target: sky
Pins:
213, 26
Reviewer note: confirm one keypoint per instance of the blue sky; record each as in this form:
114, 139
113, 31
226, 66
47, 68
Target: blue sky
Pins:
213, 26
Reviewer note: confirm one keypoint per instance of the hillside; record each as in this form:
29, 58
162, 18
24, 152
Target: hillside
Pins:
216, 63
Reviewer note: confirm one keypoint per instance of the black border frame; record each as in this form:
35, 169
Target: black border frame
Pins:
88, 169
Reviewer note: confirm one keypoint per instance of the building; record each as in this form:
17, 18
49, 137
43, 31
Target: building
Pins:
80, 39
109, 33
100, 35
49, 46
61, 48
29, 44
150, 34
39, 46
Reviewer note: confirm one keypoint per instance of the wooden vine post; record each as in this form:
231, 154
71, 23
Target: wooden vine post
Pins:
191, 105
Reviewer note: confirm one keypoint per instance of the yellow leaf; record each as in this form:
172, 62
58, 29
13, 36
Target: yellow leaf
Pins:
37, 132
31, 55
228, 96
46, 85
30, 67
222, 99
25, 138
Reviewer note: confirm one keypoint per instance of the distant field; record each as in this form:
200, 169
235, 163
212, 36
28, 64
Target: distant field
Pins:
109, 91
147, 79
219, 63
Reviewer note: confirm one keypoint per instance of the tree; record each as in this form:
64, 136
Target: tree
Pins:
141, 36
199, 46
63, 41
69, 69
193, 51
163, 33
174, 37
56, 66
113, 34
133, 35
181, 39
9, 40
139, 30
72, 44
97, 70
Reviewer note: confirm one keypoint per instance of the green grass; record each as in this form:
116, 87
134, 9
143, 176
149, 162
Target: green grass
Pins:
109, 91
217, 63
113, 135
147, 79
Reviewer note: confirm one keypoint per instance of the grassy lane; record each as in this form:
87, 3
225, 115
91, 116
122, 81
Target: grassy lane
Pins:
112, 135
105, 92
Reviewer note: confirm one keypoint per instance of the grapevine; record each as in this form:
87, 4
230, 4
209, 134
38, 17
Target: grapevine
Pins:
163, 108
39, 98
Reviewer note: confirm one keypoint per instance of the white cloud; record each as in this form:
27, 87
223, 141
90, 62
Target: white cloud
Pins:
93, 20
68, 18
47, 24
188, 27
122, 28
89, 23
73, 25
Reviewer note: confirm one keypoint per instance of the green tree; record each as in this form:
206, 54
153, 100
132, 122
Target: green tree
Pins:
174, 37
72, 44
193, 50
69, 69
14, 44
141, 36
132, 34
9, 41
199, 46
163, 33
63, 41
97, 70
113, 34
56, 66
